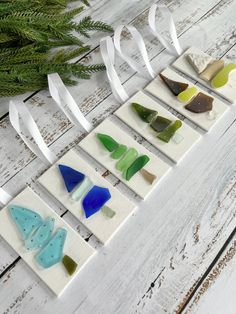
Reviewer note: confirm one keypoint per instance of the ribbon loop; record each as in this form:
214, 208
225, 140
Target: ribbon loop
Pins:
19, 110
4, 197
108, 56
66, 102
138, 40
174, 48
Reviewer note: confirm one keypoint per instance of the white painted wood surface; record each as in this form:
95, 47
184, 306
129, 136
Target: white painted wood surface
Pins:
159, 256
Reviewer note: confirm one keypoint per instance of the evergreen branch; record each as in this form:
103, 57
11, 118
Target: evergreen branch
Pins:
87, 24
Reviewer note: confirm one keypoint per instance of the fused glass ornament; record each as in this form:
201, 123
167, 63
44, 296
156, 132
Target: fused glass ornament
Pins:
145, 114
52, 252
187, 94
71, 177
25, 219
222, 77
160, 123
70, 264
95, 199
41, 236
212, 69
149, 177
107, 211
138, 164
200, 103
121, 149
127, 159
108, 142
174, 86
199, 61
83, 188
166, 134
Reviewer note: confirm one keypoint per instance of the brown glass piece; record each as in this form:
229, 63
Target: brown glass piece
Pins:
147, 175
174, 86
201, 103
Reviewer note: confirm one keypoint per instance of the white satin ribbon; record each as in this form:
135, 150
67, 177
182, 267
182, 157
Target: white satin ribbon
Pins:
4, 197
66, 102
19, 110
174, 48
108, 56
138, 40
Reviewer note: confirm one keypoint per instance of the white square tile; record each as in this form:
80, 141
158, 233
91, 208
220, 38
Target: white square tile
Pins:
100, 225
173, 150
137, 183
159, 89
56, 276
228, 91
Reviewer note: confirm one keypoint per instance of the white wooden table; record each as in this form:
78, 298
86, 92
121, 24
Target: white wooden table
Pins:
177, 252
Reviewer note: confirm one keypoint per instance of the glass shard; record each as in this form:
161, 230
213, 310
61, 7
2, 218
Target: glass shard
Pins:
108, 142
177, 138
52, 253
200, 103
127, 159
187, 94
148, 176
71, 177
146, 114
41, 236
166, 134
95, 199
174, 86
83, 188
199, 61
121, 149
222, 77
138, 164
25, 219
107, 211
212, 70
70, 264
160, 123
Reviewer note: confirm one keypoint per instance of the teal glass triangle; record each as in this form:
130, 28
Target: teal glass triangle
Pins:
52, 253
41, 236
25, 219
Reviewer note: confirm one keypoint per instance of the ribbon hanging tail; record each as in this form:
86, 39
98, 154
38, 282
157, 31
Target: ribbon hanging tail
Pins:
174, 48
19, 110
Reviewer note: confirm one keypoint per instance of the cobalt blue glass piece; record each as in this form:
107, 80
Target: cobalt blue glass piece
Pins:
41, 236
71, 177
26, 220
95, 199
52, 253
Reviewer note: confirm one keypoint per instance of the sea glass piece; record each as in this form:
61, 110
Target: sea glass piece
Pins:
107, 211
212, 69
71, 177
199, 61
160, 123
200, 103
138, 164
177, 138
222, 77
121, 149
127, 159
70, 264
95, 199
41, 236
108, 142
148, 176
83, 188
174, 86
25, 219
166, 134
146, 114
52, 253
187, 94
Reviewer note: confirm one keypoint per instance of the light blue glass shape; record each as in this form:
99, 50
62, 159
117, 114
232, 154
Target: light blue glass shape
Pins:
83, 188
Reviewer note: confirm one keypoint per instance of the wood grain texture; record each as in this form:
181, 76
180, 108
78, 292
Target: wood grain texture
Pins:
155, 261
